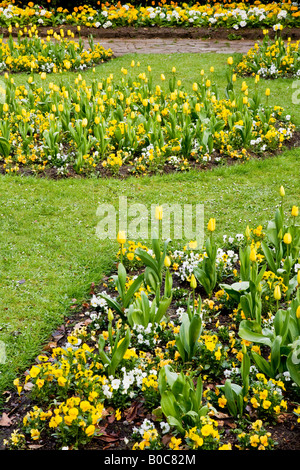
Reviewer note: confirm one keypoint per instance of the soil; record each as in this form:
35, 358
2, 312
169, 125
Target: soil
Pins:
164, 32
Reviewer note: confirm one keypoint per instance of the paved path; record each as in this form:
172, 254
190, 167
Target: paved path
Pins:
121, 46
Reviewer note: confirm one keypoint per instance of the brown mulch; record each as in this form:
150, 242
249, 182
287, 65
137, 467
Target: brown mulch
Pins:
164, 32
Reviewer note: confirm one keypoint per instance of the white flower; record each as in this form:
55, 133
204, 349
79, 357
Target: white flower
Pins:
164, 427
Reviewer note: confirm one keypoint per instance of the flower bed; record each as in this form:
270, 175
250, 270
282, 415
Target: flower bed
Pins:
271, 59
132, 127
30, 53
236, 15
200, 347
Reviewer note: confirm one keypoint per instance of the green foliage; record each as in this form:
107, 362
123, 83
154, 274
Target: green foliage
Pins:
181, 401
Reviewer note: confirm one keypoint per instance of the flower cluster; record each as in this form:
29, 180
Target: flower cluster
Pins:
31, 53
107, 126
256, 439
236, 15
271, 59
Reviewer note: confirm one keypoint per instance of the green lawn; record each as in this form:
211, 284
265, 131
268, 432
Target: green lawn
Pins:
50, 253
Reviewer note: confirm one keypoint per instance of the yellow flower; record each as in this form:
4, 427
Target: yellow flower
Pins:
277, 292
35, 434
282, 191
175, 443
225, 447
222, 401
268, 92
167, 261
159, 212
211, 225
90, 430
295, 211
193, 282
34, 371
121, 237
253, 255
287, 238
230, 61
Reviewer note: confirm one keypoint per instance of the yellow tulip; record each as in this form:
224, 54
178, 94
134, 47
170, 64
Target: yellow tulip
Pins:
110, 315
159, 212
167, 262
287, 238
277, 293
193, 282
253, 255
211, 225
298, 312
282, 191
121, 237
230, 61
295, 211
268, 92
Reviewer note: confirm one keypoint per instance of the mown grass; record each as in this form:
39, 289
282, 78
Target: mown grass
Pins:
50, 253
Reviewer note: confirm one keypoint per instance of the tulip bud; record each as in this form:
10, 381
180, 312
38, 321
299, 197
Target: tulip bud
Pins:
193, 282
247, 232
159, 212
282, 191
268, 92
121, 238
298, 277
230, 61
167, 262
277, 293
298, 312
253, 255
110, 315
211, 225
295, 211
287, 238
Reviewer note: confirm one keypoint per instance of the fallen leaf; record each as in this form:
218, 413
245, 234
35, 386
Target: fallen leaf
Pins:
5, 420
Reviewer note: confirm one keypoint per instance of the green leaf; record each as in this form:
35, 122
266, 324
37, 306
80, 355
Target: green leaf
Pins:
4, 147
132, 290
250, 330
120, 351
262, 364
269, 256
